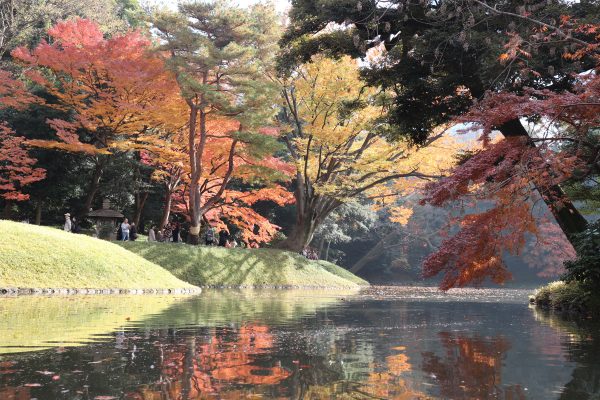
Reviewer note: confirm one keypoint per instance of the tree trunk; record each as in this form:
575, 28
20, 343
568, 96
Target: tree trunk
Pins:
140, 200
7, 213
327, 250
371, 254
188, 368
38, 212
195, 158
195, 215
321, 245
94, 185
568, 217
301, 235
166, 211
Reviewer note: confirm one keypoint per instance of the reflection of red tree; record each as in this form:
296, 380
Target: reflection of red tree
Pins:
471, 368
15, 393
226, 358
8, 392
389, 383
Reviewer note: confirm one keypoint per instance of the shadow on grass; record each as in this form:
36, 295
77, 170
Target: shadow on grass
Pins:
203, 265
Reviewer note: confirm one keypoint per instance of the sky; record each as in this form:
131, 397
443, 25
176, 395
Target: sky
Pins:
281, 5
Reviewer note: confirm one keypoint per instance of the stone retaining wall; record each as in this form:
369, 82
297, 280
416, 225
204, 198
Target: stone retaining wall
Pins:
54, 291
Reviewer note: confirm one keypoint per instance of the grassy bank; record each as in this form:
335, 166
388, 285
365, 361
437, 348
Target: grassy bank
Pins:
570, 297
40, 257
218, 266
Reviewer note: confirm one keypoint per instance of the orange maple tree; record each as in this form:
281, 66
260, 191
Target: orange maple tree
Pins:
116, 89
227, 162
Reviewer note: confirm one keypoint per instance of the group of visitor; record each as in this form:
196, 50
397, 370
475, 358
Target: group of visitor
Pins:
223, 238
170, 233
127, 231
310, 253
71, 224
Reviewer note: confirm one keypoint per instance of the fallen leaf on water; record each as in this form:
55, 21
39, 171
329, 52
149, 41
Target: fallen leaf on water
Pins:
100, 361
45, 372
32, 385
104, 398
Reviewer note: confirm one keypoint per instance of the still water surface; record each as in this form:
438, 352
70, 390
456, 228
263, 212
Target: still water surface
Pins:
385, 343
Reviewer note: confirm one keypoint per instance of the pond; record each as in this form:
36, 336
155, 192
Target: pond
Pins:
382, 343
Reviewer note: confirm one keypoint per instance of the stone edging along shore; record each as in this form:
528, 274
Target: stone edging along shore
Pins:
62, 291
4, 292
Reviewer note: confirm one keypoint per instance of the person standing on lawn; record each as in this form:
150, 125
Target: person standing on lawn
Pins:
132, 232
67, 226
125, 230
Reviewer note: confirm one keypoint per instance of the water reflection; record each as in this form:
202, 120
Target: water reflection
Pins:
286, 345
35, 323
208, 365
582, 340
470, 367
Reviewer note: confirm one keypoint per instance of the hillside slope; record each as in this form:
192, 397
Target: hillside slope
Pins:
218, 266
34, 256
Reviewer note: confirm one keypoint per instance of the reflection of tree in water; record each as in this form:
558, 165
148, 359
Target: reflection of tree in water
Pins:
471, 368
385, 381
226, 358
583, 348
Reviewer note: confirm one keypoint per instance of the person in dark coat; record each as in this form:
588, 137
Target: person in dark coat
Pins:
75, 227
119, 233
132, 232
223, 236
176, 231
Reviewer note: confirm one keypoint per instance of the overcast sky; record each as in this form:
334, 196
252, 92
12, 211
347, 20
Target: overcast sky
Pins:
282, 5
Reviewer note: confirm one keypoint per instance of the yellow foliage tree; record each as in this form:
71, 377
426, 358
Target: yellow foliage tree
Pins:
335, 134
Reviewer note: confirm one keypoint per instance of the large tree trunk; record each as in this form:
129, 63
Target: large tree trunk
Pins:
311, 211
195, 156
321, 245
94, 186
374, 252
568, 217
303, 231
166, 211
140, 200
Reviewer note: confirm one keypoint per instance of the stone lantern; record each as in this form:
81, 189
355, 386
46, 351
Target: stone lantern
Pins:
106, 221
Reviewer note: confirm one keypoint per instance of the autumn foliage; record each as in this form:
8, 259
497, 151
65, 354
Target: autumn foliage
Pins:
513, 174
17, 166
122, 97
116, 87
336, 138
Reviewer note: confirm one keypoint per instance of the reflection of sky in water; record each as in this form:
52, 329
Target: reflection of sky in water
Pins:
404, 344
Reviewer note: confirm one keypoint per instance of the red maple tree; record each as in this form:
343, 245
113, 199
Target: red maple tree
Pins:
514, 173
16, 164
